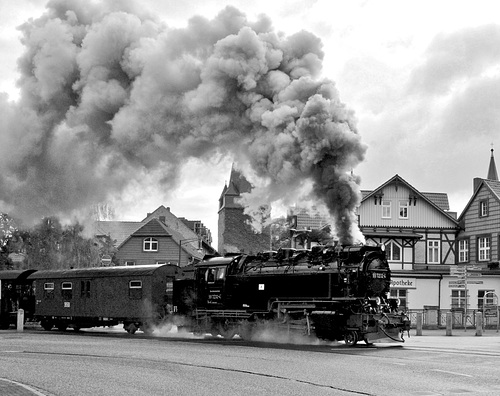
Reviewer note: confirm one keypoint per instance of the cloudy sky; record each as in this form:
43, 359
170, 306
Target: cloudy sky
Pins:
422, 78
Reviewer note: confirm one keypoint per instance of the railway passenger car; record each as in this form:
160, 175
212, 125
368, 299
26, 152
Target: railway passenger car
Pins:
15, 293
140, 297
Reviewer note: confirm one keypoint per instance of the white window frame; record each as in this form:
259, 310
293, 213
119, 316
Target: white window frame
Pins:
433, 251
463, 250
460, 298
386, 209
66, 286
483, 248
389, 249
483, 208
48, 286
150, 244
135, 284
403, 209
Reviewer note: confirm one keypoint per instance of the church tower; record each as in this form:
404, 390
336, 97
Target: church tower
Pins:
235, 234
492, 170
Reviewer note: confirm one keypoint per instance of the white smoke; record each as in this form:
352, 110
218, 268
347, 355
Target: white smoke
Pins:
109, 93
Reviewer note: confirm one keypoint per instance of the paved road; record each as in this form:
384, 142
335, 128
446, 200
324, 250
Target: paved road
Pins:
115, 364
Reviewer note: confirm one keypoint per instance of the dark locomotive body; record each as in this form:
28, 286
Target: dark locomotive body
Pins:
335, 293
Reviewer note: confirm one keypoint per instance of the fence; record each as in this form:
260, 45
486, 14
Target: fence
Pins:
436, 319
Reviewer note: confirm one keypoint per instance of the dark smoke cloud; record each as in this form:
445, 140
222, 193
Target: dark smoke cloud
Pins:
109, 93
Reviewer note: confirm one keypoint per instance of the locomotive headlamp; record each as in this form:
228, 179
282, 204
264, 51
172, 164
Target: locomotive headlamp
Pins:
382, 247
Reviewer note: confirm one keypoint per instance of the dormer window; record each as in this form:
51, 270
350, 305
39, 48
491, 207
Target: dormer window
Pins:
483, 208
150, 245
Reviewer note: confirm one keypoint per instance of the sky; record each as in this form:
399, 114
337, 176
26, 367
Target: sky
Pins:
420, 82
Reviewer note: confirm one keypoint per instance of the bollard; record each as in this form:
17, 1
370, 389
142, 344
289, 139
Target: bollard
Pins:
479, 323
20, 320
449, 323
419, 323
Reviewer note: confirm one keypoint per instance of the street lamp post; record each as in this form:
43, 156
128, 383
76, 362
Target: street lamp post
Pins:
182, 242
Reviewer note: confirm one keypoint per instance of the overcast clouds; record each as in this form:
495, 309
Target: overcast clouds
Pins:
422, 77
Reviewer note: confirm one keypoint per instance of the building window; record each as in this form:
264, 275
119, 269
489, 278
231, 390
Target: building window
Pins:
150, 245
129, 263
402, 294
386, 209
483, 208
433, 255
393, 251
403, 209
484, 245
463, 251
458, 299
490, 298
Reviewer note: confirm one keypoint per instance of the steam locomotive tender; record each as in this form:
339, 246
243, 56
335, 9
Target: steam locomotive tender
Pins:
336, 293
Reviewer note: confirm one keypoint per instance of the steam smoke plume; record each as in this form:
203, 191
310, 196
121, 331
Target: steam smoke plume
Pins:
108, 94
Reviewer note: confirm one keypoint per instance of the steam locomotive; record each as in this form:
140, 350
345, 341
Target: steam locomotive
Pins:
334, 293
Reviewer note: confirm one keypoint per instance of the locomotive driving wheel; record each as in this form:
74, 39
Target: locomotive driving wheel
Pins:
351, 338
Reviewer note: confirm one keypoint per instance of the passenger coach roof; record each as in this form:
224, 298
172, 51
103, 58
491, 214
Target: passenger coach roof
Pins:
135, 270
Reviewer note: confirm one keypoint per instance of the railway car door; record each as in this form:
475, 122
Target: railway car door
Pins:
214, 285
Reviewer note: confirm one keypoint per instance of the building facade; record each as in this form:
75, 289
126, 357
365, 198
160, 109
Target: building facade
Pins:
418, 232
159, 238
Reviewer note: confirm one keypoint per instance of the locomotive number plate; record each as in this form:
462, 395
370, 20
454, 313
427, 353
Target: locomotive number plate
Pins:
67, 304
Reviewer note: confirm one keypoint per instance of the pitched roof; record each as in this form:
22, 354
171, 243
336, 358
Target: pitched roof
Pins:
437, 200
118, 230
122, 231
492, 185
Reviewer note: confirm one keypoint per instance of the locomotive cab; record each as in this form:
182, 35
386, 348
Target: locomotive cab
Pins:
210, 277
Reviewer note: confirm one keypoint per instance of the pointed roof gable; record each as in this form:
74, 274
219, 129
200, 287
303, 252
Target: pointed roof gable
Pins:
152, 228
492, 185
119, 230
237, 185
437, 200
492, 169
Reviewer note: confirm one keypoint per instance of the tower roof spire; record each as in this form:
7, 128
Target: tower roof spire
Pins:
492, 170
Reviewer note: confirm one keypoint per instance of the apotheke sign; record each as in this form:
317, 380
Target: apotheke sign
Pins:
403, 283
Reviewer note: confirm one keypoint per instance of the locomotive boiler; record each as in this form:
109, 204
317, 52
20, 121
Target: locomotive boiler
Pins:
336, 293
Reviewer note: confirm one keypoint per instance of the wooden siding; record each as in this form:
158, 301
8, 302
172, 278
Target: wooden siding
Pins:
168, 251
421, 215
477, 226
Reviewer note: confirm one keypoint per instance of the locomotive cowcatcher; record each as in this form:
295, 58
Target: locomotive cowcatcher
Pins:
336, 293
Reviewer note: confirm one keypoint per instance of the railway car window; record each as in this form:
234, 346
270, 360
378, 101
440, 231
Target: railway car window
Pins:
210, 275
214, 274
48, 290
85, 289
135, 289
150, 245
67, 290
221, 272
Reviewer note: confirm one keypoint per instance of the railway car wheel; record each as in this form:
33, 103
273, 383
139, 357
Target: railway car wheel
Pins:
46, 325
130, 328
147, 329
351, 338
